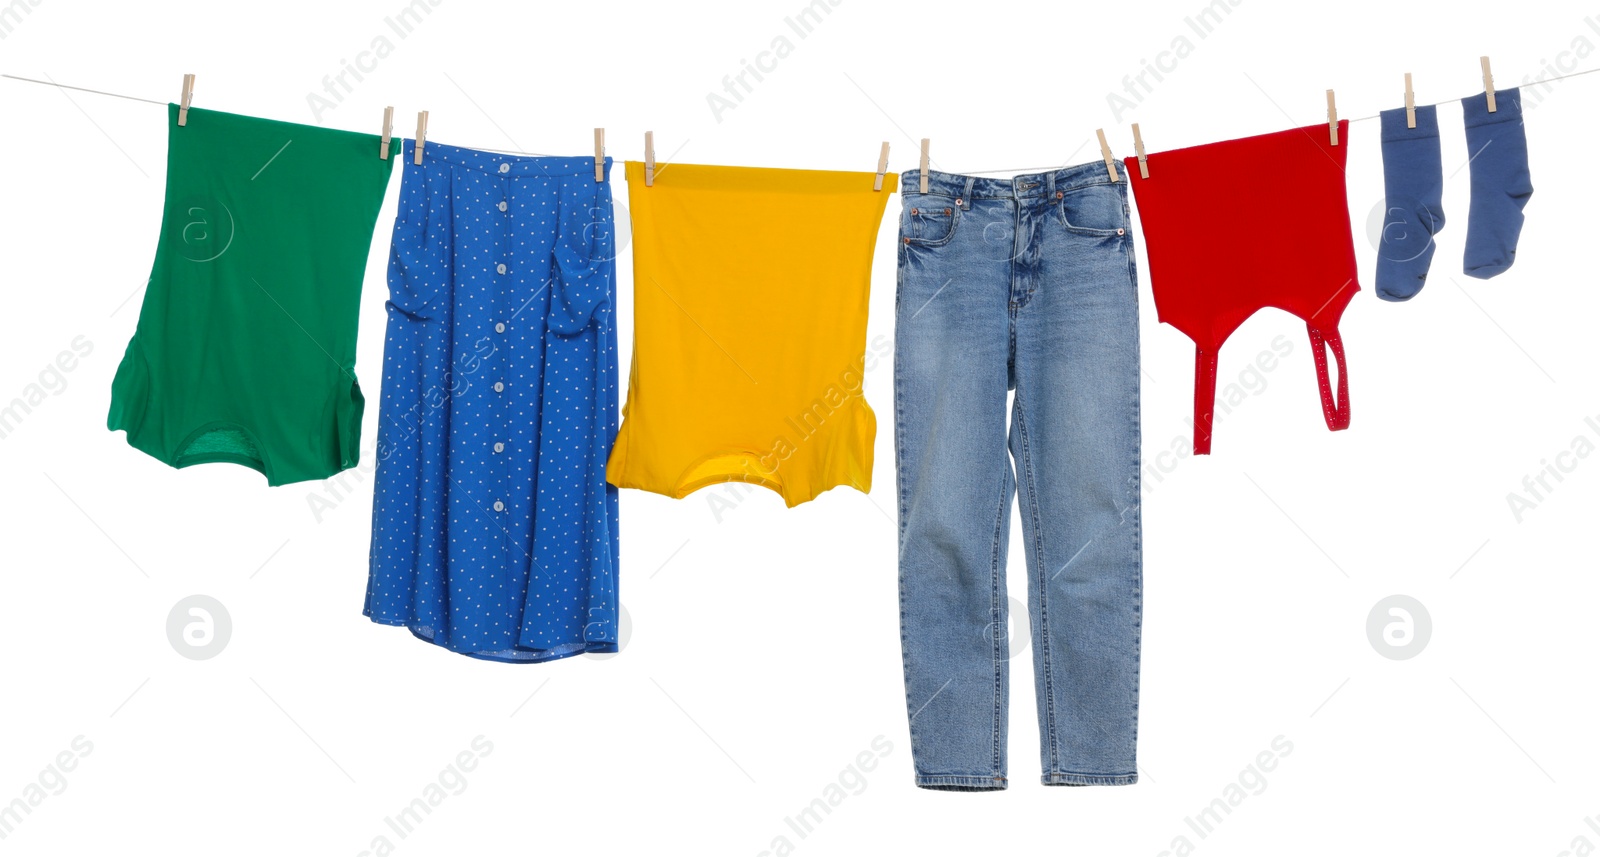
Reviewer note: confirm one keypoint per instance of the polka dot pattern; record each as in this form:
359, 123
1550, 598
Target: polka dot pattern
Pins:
494, 532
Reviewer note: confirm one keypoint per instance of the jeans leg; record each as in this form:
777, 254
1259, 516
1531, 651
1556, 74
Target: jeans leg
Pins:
952, 344
1075, 440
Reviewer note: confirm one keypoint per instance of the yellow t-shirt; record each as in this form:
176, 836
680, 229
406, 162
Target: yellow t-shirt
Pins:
750, 323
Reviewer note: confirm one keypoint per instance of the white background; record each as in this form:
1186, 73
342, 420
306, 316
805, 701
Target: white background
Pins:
763, 653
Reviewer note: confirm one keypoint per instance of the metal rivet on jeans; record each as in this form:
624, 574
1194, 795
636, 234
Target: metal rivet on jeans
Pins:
913, 211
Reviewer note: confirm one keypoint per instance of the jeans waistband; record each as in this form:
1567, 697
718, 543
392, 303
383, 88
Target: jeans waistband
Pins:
502, 164
1017, 187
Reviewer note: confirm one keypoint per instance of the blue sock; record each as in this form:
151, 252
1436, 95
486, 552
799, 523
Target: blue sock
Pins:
1500, 181
1413, 190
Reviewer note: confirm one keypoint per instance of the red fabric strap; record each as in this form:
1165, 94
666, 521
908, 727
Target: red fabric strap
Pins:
1205, 397
1335, 410
1336, 413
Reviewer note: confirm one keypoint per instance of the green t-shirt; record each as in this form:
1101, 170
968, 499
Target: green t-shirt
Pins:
246, 344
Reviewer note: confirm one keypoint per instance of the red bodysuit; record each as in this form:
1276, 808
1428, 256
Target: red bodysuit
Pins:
1235, 226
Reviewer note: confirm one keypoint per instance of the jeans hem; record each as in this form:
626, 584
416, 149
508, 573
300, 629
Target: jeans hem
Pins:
960, 783
1066, 779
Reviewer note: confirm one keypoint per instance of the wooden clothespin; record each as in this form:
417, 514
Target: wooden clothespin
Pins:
1411, 104
1488, 82
649, 159
388, 132
1105, 152
422, 136
1138, 147
188, 93
599, 154
922, 168
883, 166
1333, 121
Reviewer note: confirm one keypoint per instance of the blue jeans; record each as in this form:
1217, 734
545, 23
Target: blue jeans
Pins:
1026, 284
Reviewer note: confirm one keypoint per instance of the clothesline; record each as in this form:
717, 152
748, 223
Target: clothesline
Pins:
1458, 100
1358, 119
164, 103
542, 155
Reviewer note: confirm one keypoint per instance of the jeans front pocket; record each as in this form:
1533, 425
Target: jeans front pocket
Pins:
928, 220
1098, 209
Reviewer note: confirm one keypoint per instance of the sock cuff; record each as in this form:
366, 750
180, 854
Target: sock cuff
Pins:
1508, 108
1394, 124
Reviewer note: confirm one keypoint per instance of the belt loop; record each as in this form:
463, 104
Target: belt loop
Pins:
1050, 186
966, 195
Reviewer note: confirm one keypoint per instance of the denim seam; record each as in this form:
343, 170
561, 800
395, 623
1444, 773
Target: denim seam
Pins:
1096, 171
1136, 498
960, 782
900, 483
899, 398
1069, 778
1133, 282
995, 583
1015, 196
1033, 253
1043, 651
1012, 305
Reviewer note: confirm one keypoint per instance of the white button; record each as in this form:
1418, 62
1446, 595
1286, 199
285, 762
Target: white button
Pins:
505, 168
499, 387
499, 506
499, 447
500, 328
500, 268
502, 205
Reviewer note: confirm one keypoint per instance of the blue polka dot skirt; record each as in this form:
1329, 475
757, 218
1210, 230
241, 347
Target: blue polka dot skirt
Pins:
494, 533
